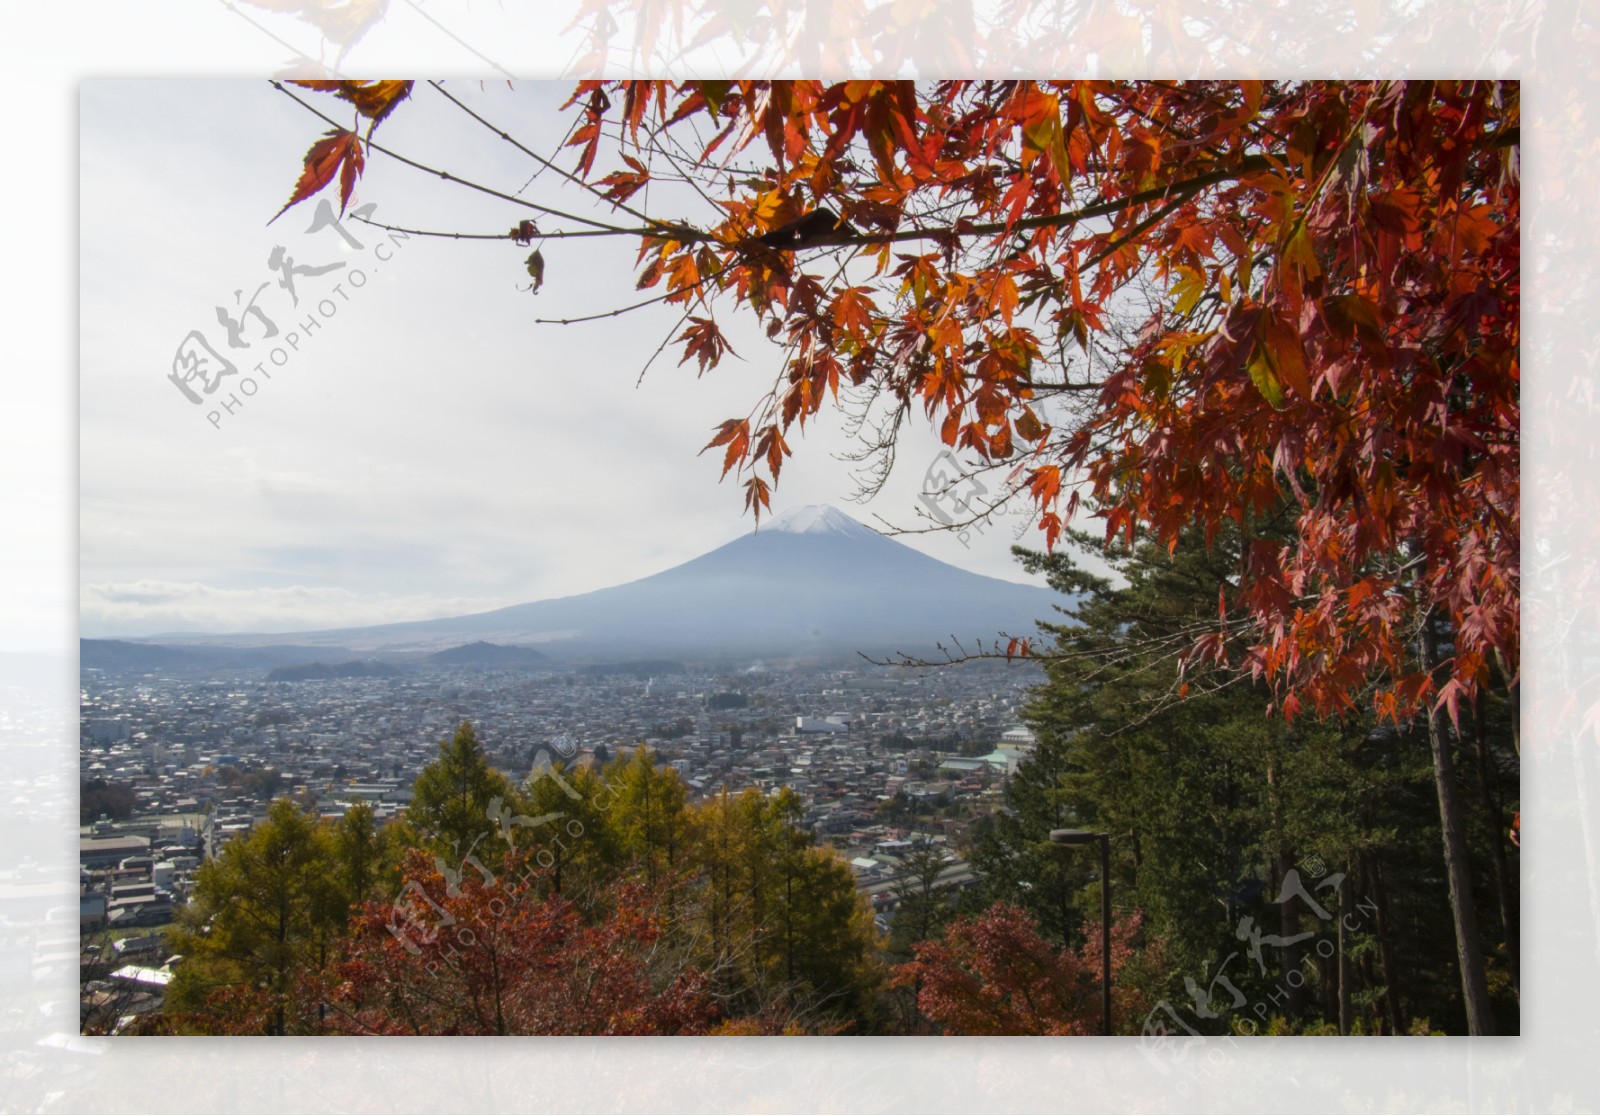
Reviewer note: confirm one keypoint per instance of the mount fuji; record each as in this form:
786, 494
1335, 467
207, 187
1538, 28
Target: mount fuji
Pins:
811, 581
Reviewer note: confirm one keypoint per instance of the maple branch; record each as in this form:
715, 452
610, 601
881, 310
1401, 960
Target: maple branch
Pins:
619, 311
1176, 695
540, 159
666, 340
658, 137
901, 659
689, 235
1177, 192
559, 234
1107, 657
1137, 230
1250, 164
955, 526
373, 145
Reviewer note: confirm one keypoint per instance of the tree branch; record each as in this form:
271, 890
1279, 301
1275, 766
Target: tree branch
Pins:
540, 159
614, 230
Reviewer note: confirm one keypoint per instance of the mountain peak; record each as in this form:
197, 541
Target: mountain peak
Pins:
810, 581
817, 519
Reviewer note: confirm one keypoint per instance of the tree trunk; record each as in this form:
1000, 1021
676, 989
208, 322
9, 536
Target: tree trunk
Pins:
1380, 903
1346, 975
1369, 980
1474, 986
1514, 696
788, 926
1289, 927
1498, 827
1288, 917
281, 987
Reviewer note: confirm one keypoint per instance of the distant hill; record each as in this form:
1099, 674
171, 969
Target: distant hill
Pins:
812, 581
313, 672
489, 656
119, 655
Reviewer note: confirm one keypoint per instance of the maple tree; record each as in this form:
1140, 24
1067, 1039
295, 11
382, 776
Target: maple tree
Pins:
509, 956
1165, 303
995, 974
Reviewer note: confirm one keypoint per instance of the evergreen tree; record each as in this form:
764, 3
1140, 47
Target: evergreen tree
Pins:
923, 905
451, 802
359, 854
569, 826
1012, 854
1232, 825
263, 915
788, 938
648, 813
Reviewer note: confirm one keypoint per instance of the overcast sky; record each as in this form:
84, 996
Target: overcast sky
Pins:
425, 449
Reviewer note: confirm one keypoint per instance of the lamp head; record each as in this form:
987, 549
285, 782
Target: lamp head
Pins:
1074, 836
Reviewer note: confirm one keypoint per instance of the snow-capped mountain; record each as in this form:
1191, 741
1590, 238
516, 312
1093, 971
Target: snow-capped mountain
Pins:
816, 519
810, 580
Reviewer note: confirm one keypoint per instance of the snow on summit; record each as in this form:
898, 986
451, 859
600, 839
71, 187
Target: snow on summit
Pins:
816, 519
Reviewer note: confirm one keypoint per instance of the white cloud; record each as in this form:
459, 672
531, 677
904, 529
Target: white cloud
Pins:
111, 609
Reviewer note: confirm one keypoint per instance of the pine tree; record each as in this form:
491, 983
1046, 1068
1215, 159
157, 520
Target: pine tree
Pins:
648, 812
1226, 816
263, 915
789, 942
923, 905
452, 800
569, 827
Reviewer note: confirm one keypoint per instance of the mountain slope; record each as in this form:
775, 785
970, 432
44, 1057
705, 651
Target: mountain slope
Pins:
487, 656
811, 580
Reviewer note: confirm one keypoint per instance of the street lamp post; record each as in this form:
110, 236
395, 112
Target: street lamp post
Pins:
1084, 837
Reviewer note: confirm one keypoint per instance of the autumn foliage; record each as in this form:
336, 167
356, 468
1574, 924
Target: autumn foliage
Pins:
584, 900
1319, 288
1283, 317
475, 958
995, 974
1162, 303
340, 152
